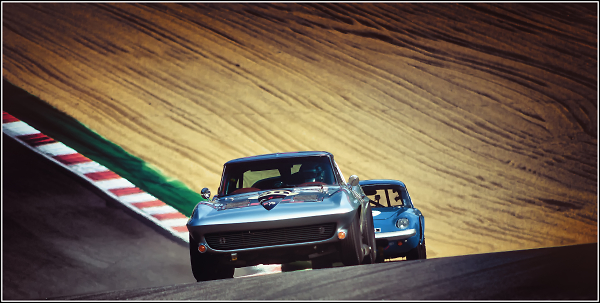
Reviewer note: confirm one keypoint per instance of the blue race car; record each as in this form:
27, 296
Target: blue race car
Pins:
399, 226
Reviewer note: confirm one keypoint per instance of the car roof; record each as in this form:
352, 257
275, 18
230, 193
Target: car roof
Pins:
381, 182
281, 156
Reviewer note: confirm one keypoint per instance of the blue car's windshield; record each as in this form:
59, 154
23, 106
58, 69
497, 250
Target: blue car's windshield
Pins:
386, 195
276, 173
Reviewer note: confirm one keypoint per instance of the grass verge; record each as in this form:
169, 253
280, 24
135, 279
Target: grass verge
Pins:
61, 127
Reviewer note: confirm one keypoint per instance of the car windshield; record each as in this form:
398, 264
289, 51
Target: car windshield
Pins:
276, 173
386, 195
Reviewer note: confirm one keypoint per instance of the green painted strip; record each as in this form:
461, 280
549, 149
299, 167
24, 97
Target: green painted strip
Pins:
59, 126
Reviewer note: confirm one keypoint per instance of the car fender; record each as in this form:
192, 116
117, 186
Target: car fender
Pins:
201, 210
422, 230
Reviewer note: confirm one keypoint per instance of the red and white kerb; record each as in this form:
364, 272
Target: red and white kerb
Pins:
98, 175
112, 184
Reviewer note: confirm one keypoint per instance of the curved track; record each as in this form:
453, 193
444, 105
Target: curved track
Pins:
61, 241
60, 238
540, 274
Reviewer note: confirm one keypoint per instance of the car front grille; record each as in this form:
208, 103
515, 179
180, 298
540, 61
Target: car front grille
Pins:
268, 237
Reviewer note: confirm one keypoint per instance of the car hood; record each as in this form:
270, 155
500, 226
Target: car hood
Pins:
271, 205
384, 213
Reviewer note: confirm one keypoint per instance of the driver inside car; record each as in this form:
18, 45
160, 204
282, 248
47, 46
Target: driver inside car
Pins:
312, 172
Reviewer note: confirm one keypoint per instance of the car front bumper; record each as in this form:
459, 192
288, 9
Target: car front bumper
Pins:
340, 220
397, 243
396, 235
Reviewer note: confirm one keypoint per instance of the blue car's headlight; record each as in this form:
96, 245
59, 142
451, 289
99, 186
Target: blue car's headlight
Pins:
402, 223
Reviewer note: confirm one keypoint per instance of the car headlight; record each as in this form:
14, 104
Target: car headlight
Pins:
402, 223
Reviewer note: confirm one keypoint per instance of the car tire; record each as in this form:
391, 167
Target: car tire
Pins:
423, 250
417, 253
370, 238
351, 247
205, 267
414, 253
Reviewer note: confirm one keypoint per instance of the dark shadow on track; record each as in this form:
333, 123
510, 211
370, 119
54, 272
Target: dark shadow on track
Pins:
60, 238
561, 273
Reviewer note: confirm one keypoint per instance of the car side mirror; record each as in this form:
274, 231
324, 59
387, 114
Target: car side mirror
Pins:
205, 193
353, 180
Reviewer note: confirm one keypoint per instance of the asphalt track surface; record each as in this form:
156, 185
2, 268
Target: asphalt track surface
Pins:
62, 241
541, 274
61, 237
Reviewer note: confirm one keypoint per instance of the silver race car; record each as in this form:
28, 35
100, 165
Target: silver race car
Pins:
280, 208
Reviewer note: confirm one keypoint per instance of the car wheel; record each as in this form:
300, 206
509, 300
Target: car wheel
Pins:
414, 253
225, 272
321, 262
423, 250
205, 267
418, 252
351, 247
370, 238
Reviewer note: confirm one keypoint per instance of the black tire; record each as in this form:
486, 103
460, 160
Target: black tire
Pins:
417, 253
369, 236
205, 267
424, 250
351, 247
321, 262
413, 254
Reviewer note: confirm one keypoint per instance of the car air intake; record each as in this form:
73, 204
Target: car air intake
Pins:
269, 237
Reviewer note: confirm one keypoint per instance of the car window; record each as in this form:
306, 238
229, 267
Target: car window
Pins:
296, 168
387, 196
398, 197
276, 173
251, 177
